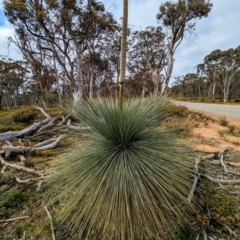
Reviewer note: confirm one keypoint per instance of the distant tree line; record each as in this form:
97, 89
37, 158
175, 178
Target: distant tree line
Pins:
71, 49
217, 77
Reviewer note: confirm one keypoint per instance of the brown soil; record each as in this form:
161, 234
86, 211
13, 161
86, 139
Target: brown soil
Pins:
213, 137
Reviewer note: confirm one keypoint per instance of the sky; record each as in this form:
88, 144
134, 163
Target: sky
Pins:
220, 30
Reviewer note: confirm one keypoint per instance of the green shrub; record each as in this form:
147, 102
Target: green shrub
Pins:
179, 111
219, 210
223, 121
16, 200
25, 116
231, 128
130, 181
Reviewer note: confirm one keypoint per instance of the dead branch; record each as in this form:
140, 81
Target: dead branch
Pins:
13, 219
19, 168
199, 173
43, 112
20, 142
51, 143
9, 150
3, 169
223, 164
52, 228
24, 236
49, 146
29, 179
39, 185
204, 234
8, 136
223, 181
233, 164
190, 196
215, 155
217, 181
75, 128
47, 126
64, 119
22, 158
44, 143
226, 171
233, 233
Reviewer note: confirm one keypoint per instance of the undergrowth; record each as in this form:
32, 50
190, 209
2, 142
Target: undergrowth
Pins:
217, 214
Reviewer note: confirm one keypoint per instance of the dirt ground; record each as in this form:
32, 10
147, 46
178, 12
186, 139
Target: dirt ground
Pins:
213, 136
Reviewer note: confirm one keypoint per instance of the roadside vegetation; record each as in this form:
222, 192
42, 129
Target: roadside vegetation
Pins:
216, 210
207, 100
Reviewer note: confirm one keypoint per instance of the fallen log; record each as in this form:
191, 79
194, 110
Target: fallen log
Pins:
10, 135
20, 168
21, 150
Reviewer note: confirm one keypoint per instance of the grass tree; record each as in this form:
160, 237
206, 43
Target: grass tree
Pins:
130, 180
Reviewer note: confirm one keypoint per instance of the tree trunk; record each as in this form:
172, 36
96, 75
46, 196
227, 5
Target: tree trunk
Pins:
91, 85
155, 78
166, 80
57, 84
77, 91
213, 90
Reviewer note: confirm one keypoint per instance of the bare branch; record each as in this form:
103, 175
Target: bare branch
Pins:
52, 228
43, 112
28, 180
20, 168
225, 167
13, 219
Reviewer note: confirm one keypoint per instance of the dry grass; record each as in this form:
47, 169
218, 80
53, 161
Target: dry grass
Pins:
202, 133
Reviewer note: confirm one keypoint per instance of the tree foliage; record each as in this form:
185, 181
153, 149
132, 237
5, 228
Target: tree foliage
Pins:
59, 30
217, 75
179, 18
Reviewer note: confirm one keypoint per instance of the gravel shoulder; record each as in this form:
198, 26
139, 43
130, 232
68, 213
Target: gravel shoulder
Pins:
228, 111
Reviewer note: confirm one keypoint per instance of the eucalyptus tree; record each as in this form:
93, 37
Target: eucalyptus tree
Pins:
212, 69
230, 67
179, 20
113, 51
178, 89
94, 72
13, 78
221, 68
191, 82
61, 28
148, 54
200, 71
100, 56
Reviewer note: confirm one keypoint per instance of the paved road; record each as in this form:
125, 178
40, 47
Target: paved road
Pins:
229, 111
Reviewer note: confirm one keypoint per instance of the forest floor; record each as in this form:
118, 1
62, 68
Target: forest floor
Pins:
203, 133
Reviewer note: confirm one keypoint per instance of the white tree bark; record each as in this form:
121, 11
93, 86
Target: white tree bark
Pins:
166, 79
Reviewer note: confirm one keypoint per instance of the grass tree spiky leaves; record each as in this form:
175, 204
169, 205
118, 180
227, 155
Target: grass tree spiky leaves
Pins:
130, 180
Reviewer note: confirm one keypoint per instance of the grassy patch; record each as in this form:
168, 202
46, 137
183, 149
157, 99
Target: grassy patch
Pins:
22, 199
